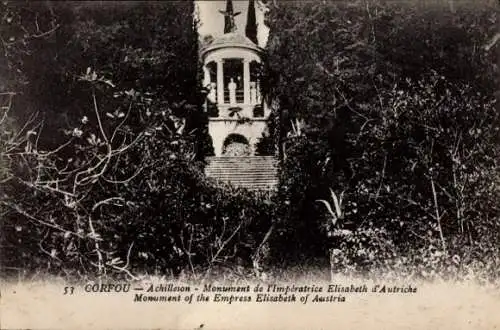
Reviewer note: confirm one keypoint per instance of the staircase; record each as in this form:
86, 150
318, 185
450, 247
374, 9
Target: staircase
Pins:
250, 172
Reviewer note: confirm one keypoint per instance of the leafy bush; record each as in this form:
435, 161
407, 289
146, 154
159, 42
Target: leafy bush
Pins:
107, 178
410, 142
142, 205
118, 189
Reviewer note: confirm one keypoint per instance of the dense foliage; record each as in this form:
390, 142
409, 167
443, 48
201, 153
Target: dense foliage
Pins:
102, 144
391, 105
384, 115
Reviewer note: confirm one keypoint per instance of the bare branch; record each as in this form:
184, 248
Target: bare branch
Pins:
438, 217
96, 110
126, 180
381, 177
492, 42
121, 122
222, 246
44, 34
106, 201
30, 217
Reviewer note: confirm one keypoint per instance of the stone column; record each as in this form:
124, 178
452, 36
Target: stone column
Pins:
257, 92
252, 144
246, 81
206, 76
220, 82
253, 93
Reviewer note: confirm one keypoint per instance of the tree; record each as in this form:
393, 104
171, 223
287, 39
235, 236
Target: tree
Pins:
382, 91
251, 26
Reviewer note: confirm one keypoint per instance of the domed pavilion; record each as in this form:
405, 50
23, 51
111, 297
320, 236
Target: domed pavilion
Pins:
237, 111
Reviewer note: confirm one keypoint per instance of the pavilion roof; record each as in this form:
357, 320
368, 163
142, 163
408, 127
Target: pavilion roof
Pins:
228, 40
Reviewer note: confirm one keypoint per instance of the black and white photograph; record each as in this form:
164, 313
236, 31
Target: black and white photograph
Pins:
250, 164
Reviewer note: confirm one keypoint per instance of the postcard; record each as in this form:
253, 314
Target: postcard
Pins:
250, 164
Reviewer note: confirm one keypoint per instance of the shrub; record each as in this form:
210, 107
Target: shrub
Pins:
411, 143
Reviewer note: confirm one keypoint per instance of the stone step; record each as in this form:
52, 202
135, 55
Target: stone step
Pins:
266, 184
251, 186
243, 161
240, 170
249, 178
249, 181
242, 165
254, 173
244, 176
